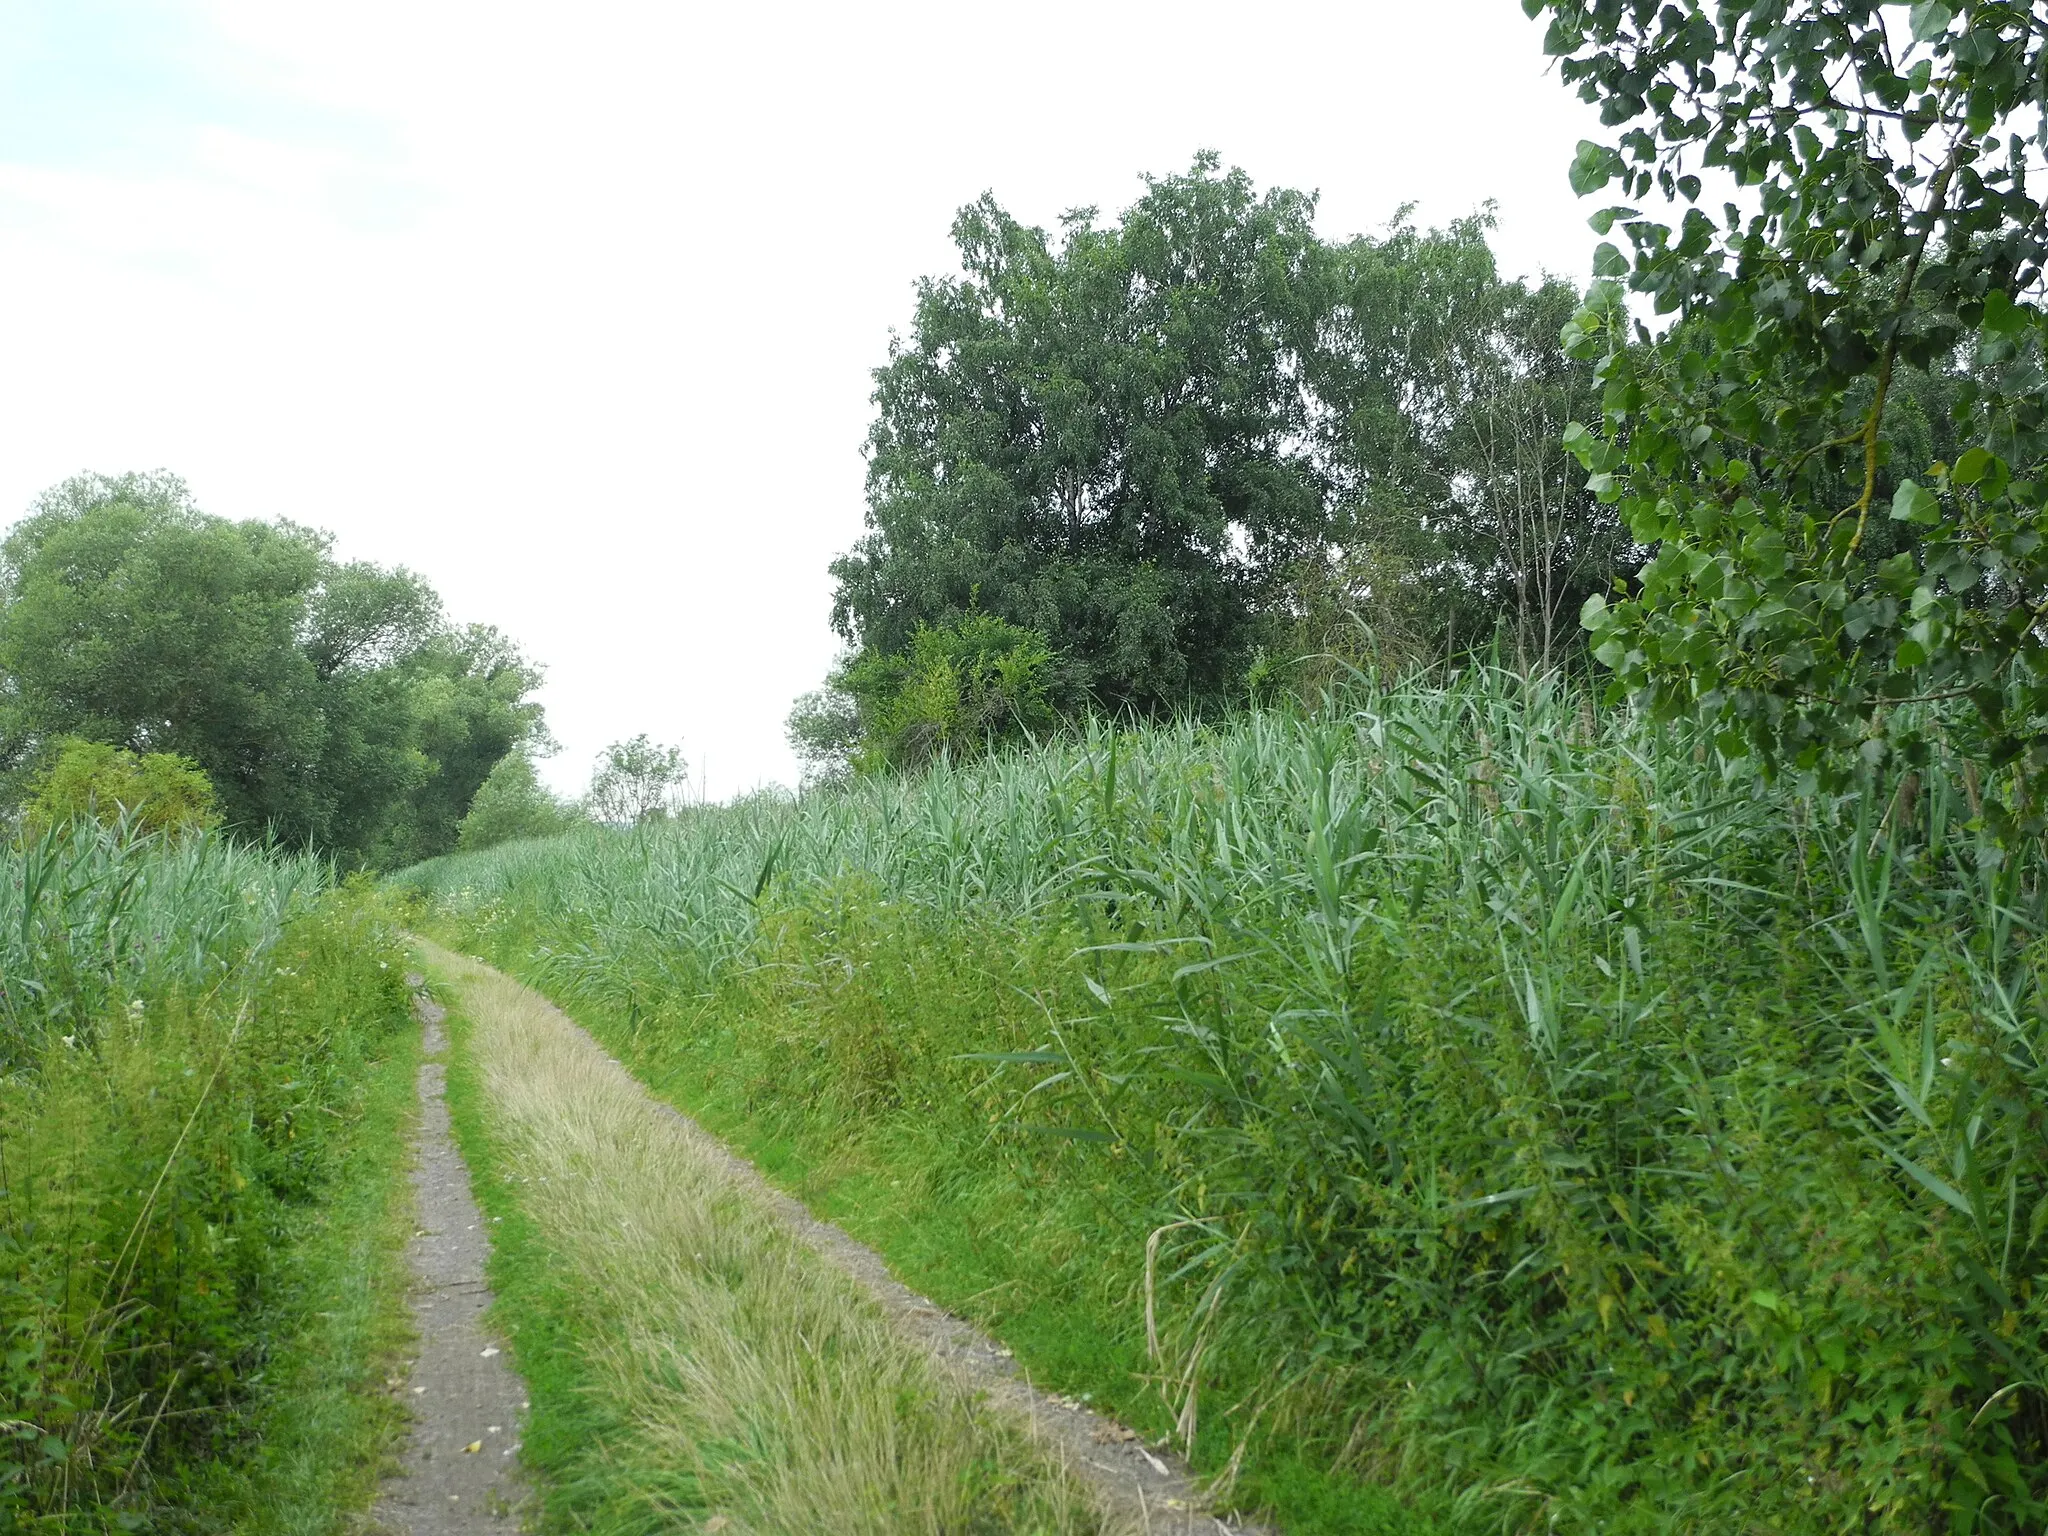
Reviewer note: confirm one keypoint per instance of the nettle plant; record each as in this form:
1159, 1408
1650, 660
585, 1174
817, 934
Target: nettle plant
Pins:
1822, 409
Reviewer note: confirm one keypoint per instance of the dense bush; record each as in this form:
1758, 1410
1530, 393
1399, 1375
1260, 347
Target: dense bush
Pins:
959, 689
512, 803
152, 792
187, 1032
1492, 1095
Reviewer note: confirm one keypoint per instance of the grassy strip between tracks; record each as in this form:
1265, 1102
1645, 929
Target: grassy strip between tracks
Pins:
687, 1359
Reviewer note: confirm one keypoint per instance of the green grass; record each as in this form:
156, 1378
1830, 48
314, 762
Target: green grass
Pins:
690, 1362
981, 1245
207, 1072
326, 1418
1509, 1105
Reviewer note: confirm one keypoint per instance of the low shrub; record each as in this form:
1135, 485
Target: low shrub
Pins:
153, 792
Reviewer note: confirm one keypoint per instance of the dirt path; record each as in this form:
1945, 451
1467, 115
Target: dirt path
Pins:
461, 1474
1136, 1488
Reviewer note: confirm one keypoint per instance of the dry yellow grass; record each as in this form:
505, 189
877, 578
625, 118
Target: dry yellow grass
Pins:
771, 1394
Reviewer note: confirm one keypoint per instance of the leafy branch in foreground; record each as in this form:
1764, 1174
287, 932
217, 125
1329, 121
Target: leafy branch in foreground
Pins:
1826, 552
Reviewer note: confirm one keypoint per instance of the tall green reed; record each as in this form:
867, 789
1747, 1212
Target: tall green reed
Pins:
1553, 1107
185, 1028
92, 918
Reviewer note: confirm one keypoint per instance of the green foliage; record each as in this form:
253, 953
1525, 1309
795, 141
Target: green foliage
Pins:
1133, 438
156, 792
824, 732
512, 803
635, 782
190, 1030
1819, 562
961, 688
472, 708
328, 703
1360, 612
1445, 392
90, 921
1516, 1103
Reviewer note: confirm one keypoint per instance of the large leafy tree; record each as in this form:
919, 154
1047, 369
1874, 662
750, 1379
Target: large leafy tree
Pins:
1167, 444
469, 696
1443, 393
328, 703
1105, 440
1822, 368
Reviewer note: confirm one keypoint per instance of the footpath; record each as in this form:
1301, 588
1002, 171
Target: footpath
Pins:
713, 1312
461, 1473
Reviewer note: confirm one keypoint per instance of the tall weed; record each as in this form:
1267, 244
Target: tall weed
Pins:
189, 1028
1499, 1093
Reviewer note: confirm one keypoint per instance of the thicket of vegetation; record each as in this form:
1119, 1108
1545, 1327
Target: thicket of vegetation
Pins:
330, 704
1177, 452
203, 1079
1473, 1089
1620, 1112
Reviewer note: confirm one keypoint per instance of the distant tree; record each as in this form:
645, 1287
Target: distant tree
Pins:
824, 732
90, 781
513, 803
635, 782
1105, 441
1446, 393
128, 617
469, 690
327, 703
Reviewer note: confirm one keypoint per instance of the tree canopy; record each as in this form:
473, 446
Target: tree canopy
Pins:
513, 803
328, 703
1835, 440
1142, 440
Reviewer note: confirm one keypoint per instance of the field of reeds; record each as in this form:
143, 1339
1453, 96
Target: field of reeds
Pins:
203, 1089
1462, 1092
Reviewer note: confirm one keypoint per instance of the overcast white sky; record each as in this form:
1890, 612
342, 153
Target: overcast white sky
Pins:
572, 307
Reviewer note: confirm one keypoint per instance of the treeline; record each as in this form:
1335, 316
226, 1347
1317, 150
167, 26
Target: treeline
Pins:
1149, 466
1203, 455
328, 704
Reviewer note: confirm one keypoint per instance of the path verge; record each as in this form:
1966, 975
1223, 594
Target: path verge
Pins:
863, 1407
461, 1475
